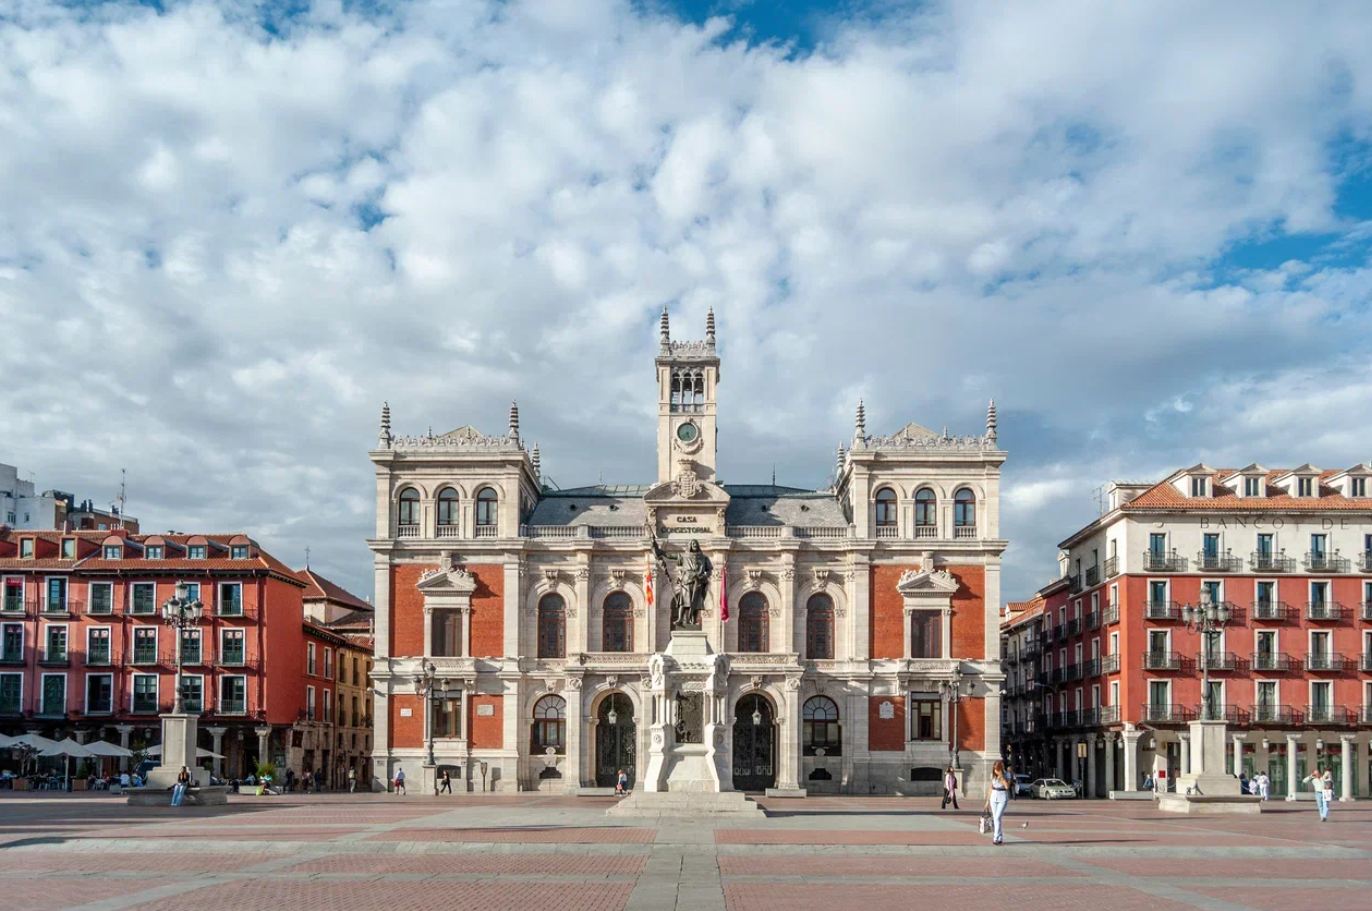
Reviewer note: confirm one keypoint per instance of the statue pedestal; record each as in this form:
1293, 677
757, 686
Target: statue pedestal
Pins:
1212, 789
688, 771
179, 737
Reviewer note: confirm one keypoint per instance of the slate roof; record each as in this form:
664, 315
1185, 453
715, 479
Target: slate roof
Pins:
786, 506
586, 509
749, 504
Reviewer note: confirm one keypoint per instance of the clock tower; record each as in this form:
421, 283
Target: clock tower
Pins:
687, 380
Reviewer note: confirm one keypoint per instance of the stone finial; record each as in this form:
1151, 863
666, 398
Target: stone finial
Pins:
991, 420
710, 328
383, 438
538, 466
838, 463
664, 332
860, 422
514, 420
431, 431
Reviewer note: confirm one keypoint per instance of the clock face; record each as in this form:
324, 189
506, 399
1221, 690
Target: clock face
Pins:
687, 432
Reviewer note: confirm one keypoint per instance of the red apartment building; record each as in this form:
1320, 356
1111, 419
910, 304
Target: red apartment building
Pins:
1103, 672
84, 651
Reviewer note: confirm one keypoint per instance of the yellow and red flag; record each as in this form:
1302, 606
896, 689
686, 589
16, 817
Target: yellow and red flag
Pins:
648, 580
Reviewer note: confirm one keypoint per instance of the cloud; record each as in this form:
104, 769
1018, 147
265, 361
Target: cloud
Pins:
222, 246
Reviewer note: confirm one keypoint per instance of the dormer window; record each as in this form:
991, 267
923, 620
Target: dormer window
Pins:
1252, 487
1200, 486
68, 548
113, 552
1357, 487
1305, 487
238, 552
26, 547
153, 552
196, 551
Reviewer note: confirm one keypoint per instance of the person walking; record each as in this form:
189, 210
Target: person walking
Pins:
950, 789
352, 781
1319, 779
183, 781
997, 797
399, 780
1010, 777
447, 783
621, 784
318, 780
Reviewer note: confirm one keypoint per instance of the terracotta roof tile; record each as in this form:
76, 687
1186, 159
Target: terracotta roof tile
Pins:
1163, 495
319, 587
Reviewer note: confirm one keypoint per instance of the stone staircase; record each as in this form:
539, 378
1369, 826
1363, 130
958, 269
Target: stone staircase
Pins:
697, 804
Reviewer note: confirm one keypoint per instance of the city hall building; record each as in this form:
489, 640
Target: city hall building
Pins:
515, 621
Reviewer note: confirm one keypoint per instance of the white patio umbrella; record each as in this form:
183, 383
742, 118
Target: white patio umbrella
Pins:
68, 748
113, 750
6, 741
200, 753
35, 741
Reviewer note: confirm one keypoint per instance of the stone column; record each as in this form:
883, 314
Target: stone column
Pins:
1110, 741
1131, 760
578, 632
859, 604
789, 737
1238, 755
1185, 752
1293, 746
217, 746
791, 630
124, 731
263, 745
571, 772
1348, 767
1089, 786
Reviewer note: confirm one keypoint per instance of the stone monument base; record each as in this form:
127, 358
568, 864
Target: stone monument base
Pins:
179, 734
1204, 803
688, 804
214, 796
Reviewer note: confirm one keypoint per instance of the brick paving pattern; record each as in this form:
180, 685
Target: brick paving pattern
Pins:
540, 853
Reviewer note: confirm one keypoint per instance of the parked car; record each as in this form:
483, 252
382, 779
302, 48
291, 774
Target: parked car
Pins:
1024, 786
1052, 789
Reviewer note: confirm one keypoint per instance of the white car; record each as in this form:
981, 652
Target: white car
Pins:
1052, 789
1024, 786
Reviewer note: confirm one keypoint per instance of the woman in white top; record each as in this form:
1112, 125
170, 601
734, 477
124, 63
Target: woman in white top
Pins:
1323, 783
997, 797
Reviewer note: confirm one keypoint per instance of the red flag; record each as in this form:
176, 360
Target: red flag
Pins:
724, 594
648, 581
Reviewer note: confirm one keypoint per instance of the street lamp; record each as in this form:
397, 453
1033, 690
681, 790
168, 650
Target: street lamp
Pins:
954, 690
181, 613
424, 686
1206, 618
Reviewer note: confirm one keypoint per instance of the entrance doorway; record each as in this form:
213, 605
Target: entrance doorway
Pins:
754, 744
615, 734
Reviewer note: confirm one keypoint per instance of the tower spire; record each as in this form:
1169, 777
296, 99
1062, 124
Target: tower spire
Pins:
538, 467
710, 328
838, 463
383, 437
664, 332
514, 421
991, 421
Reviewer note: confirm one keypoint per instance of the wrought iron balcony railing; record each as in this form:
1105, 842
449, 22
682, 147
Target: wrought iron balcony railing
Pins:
1092, 576
1271, 563
1074, 627
1108, 714
1270, 662
1323, 610
1269, 610
1161, 610
1112, 567
1111, 614
1218, 563
1110, 664
1074, 583
1328, 714
1216, 661
1324, 661
1163, 562
1161, 661
1266, 713
1365, 716
1365, 662
1325, 563
1093, 620
1156, 713
1365, 610
1221, 712
1365, 562
1073, 672
12, 659
1090, 668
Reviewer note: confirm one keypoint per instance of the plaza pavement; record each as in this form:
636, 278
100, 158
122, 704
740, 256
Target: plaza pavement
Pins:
544, 853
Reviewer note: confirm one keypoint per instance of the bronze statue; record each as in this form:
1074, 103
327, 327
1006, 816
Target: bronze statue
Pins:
689, 586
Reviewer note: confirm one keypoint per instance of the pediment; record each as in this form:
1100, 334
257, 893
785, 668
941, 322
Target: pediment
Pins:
916, 582
448, 579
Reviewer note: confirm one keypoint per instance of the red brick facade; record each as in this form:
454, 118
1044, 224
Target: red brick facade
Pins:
488, 732
972, 724
887, 628
407, 609
407, 730
885, 734
488, 612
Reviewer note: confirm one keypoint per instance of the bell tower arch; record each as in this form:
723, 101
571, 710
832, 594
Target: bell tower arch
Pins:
687, 381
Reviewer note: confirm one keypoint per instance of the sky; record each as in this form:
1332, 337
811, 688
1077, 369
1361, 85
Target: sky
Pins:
229, 231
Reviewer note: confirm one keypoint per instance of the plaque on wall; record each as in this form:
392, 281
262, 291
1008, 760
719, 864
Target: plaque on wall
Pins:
690, 717
406, 713
485, 711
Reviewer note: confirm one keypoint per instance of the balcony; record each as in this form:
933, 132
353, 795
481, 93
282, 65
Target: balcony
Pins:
1161, 610
1323, 610
1090, 668
1366, 714
1074, 627
1074, 583
1093, 576
1229, 713
1161, 661
1271, 714
1269, 610
1093, 620
1330, 662
1365, 610
1365, 662
1057, 675
1166, 714
55, 659
233, 707
1328, 714
1160, 562
487, 531
144, 658
12, 605
12, 659
1262, 562
1071, 718
1111, 614
1216, 661
926, 531
1218, 563
1108, 714
883, 531
407, 531
63, 608
1365, 562
1110, 664
449, 531
1325, 563
100, 658
1271, 663
964, 532
1073, 672
1112, 567
1089, 717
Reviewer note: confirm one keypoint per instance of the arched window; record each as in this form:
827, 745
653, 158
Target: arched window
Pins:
752, 623
965, 509
820, 727
700, 391
926, 509
676, 391
819, 628
409, 506
617, 626
552, 627
447, 506
550, 726
486, 503
886, 508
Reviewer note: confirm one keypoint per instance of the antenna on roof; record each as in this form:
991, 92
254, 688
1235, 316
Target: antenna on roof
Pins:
307, 556
123, 495
1099, 496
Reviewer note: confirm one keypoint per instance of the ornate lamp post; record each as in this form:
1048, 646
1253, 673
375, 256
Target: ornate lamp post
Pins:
1206, 618
424, 686
181, 613
954, 689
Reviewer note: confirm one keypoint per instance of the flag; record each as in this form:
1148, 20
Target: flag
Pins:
648, 581
724, 594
